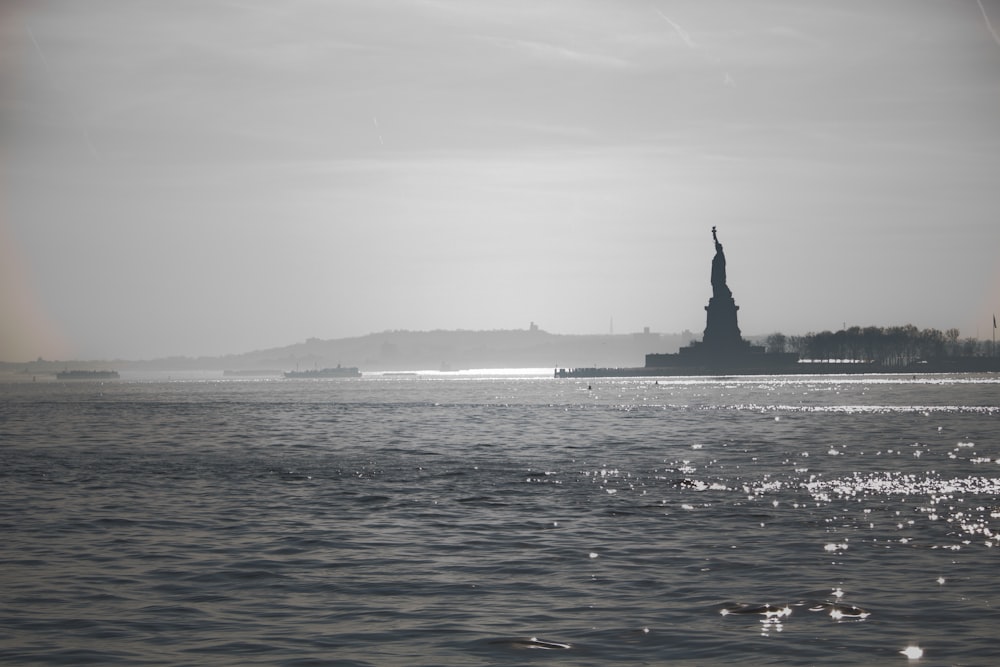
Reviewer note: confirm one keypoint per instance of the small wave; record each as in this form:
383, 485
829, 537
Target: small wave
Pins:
532, 643
840, 612
766, 610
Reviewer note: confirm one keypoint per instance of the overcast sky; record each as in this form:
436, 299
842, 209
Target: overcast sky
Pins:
207, 177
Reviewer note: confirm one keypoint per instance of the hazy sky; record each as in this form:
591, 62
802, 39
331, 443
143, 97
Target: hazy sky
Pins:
204, 177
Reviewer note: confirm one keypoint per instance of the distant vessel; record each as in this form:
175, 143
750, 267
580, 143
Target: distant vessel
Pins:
338, 372
87, 375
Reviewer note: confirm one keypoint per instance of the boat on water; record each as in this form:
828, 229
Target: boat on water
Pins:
87, 375
338, 372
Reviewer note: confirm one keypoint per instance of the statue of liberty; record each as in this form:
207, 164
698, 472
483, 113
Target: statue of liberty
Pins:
719, 287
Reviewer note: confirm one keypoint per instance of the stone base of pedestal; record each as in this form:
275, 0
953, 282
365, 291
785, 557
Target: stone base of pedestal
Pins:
722, 331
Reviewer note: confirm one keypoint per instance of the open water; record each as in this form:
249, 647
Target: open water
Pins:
500, 520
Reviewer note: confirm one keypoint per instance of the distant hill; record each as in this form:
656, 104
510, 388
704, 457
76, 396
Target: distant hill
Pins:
422, 350
457, 350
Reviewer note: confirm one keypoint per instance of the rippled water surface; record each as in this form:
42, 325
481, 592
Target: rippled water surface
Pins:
464, 520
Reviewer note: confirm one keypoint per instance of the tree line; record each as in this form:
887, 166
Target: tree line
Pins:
889, 346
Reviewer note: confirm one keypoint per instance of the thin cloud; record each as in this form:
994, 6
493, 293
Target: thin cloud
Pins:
555, 52
38, 48
681, 32
989, 26
74, 114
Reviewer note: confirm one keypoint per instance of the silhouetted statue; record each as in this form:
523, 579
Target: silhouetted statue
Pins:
722, 350
722, 333
719, 287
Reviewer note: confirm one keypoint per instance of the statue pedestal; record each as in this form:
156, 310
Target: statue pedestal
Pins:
722, 333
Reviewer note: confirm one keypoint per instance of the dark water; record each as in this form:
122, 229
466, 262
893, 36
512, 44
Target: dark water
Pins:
501, 520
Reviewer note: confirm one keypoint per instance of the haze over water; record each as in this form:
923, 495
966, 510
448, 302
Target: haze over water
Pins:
464, 520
